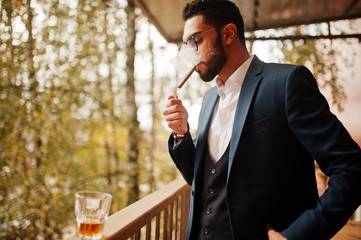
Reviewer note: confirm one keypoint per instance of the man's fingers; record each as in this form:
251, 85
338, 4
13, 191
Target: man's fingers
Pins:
273, 234
174, 112
173, 106
173, 101
269, 227
175, 115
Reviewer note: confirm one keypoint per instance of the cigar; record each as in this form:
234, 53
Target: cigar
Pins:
186, 78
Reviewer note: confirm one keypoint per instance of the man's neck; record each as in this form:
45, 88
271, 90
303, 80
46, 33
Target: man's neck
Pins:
235, 60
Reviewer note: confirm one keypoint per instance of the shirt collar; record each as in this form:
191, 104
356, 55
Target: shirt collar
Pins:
235, 81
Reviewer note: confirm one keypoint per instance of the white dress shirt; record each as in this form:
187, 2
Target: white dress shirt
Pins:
220, 131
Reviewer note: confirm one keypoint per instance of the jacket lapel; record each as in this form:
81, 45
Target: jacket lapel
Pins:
250, 83
204, 117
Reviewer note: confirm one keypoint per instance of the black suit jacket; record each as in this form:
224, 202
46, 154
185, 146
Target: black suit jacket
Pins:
282, 124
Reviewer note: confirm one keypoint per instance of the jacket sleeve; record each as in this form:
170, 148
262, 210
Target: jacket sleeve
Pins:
338, 156
183, 156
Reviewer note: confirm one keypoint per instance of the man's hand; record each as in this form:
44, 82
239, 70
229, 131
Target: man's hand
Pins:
273, 234
175, 115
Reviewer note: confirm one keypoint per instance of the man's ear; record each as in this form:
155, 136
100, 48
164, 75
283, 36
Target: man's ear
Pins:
230, 32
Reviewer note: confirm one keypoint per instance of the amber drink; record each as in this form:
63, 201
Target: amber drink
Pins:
91, 211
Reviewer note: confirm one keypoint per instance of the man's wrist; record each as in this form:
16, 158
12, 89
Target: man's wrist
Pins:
178, 136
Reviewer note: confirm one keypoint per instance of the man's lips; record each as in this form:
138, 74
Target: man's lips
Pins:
198, 67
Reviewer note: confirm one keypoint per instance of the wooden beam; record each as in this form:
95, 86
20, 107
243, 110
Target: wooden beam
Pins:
306, 37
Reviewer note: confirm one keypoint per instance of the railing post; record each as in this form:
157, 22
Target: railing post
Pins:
157, 231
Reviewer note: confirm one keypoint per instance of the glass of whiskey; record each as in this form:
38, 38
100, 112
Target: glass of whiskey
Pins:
91, 211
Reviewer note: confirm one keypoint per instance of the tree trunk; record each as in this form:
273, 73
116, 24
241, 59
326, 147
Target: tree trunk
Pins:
133, 124
154, 114
10, 68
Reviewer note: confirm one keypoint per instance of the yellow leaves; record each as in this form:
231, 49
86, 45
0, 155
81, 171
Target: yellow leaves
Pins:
16, 4
26, 180
69, 115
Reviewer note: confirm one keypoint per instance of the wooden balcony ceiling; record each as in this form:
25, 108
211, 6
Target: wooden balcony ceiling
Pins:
257, 14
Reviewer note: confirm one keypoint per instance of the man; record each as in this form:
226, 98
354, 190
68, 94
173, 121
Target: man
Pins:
251, 164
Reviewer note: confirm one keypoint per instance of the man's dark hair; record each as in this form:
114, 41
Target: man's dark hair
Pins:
217, 13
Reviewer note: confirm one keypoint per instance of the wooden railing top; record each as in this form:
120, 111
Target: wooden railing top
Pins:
124, 223
351, 231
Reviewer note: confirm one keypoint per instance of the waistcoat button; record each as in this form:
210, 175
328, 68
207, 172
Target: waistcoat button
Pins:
206, 231
213, 171
208, 211
211, 191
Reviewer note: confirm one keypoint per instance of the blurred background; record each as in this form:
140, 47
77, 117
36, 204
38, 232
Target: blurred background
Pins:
82, 88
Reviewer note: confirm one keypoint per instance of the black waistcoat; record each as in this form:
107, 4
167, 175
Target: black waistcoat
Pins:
212, 220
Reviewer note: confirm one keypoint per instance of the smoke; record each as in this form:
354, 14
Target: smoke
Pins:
187, 58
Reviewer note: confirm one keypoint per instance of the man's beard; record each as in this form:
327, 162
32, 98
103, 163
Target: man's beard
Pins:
216, 62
